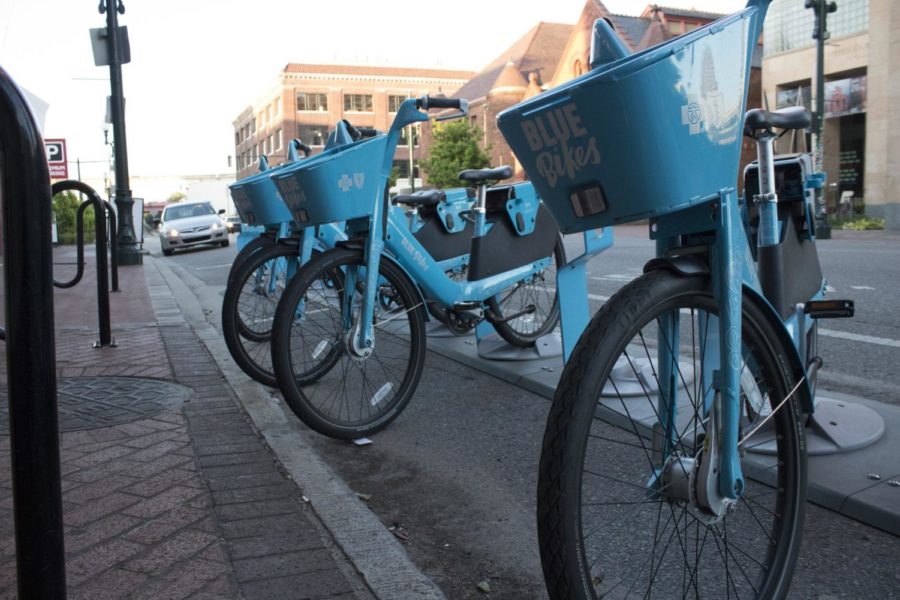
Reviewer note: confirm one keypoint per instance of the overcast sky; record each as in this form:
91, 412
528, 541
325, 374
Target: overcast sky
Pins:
197, 63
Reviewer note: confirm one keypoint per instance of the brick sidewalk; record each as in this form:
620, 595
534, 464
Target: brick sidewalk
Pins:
176, 499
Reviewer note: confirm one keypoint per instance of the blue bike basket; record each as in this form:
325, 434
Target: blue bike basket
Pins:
337, 185
257, 201
646, 135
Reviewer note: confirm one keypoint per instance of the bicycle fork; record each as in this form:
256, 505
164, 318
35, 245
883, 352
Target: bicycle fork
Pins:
711, 480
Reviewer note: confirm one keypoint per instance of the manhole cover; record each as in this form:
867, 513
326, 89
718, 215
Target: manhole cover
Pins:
93, 402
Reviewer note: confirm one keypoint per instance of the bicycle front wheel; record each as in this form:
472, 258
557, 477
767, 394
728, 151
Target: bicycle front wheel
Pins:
610, 521
530, 308
248, 308
331, 388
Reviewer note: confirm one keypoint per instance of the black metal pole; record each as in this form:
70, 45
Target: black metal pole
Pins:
30, 350
100, 246
127, 250
821, 8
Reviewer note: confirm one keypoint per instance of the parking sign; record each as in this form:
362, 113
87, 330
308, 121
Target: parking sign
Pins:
56, 158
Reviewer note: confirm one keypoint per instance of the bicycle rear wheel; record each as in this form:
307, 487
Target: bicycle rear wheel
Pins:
332, 390
603, 531
529, 309
250, 248
248, 309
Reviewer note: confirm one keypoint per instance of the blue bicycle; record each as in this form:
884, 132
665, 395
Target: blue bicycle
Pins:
263, 267
348, 342
674, 460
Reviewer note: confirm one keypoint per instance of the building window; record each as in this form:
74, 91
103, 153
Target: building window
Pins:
312, 135
404, 136
312, 101
402, 167
278, 140
394, 102
253, 153
358, 102
237, 138
794, 94
276, 108
789, 25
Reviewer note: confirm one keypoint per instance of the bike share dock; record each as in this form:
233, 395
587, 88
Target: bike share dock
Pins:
863, 484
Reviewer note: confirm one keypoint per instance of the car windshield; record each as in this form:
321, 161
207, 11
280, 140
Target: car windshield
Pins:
188, 210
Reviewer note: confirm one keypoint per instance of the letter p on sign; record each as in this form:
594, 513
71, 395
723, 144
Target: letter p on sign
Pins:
56, 158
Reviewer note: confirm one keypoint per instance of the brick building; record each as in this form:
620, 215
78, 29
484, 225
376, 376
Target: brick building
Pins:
551, 54
307, 100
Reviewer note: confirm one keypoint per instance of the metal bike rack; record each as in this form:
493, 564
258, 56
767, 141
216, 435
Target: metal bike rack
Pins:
30, 350
101, 208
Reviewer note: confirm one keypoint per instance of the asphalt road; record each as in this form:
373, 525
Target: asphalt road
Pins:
455, 474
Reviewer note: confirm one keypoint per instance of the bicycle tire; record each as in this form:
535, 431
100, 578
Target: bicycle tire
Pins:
340, 396
248, 309
539, 292
590, 469
249, 248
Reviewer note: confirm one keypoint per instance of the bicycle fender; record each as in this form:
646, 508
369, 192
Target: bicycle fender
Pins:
804, 392
694, 266
684, 265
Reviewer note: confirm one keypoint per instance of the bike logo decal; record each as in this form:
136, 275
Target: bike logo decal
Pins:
347, 183
415, 254
692, 115
564, 144
291, 191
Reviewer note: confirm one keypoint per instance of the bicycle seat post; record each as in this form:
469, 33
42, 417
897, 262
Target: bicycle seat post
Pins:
480, 178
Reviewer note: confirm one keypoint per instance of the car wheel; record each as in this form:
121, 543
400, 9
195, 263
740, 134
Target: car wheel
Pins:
167, 252
225, 243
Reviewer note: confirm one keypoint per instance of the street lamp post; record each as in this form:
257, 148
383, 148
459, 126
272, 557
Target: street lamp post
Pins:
821, 8
127, 248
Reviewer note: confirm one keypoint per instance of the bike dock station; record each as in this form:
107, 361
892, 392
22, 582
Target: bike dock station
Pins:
852, 470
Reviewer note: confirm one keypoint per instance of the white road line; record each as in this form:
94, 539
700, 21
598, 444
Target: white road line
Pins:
855, 337
598, 297
861, 287
616, 277
212, 267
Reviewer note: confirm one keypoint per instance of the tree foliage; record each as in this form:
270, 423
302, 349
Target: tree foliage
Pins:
456, 147
176, 197
65, 207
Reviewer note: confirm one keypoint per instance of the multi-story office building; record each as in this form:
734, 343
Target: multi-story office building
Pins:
307, 100
862, 108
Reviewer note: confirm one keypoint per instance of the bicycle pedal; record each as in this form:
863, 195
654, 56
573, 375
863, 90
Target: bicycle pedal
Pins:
829, 309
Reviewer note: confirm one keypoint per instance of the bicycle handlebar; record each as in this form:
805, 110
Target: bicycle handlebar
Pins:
358, 133
299, 145
429, 102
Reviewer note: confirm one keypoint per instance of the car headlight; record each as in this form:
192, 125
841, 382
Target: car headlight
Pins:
216, 226
172, 233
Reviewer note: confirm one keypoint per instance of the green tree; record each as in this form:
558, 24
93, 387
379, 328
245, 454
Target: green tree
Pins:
456, 147
176, 197
65, 207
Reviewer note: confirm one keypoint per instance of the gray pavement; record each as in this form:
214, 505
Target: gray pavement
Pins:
209, 489
168, 498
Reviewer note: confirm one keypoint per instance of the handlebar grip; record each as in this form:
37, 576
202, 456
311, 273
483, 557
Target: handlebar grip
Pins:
366, 132
299, 145
428, 102
358, 133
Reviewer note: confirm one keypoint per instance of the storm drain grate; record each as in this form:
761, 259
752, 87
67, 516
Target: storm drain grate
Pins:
94, 402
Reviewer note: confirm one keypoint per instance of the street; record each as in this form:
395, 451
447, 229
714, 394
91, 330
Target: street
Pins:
455, 475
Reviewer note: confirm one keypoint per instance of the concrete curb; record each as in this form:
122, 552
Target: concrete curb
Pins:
376, 554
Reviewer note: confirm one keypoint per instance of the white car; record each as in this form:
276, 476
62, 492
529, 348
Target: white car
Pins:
189, 224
